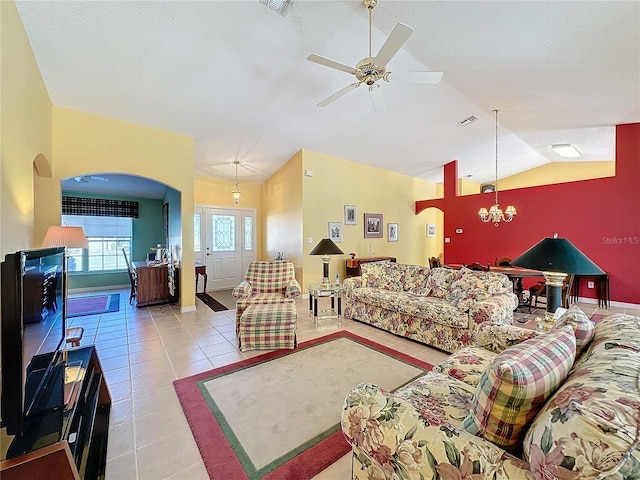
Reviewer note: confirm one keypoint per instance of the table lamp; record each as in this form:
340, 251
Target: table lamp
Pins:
556, 258
325, 248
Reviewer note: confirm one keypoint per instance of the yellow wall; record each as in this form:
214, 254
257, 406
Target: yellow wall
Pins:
282, 220
214, 192
337, 182
25, 132
559, 172
84, 143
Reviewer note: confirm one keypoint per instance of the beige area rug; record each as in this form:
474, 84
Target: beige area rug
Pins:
280, 411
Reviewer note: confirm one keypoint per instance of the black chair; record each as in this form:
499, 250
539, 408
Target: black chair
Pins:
132, 279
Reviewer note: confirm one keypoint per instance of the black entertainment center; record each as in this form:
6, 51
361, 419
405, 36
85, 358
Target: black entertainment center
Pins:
55, 401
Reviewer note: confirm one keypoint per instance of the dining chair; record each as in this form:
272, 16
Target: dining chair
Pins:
132, 278
503, 262
434, 262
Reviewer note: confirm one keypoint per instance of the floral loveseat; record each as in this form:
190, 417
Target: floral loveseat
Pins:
440, 307
459, 422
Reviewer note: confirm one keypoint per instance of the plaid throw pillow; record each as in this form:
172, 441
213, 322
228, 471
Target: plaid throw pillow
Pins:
516, 385
582, 326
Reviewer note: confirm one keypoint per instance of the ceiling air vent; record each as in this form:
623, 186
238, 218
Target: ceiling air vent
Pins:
279, 6
468, 120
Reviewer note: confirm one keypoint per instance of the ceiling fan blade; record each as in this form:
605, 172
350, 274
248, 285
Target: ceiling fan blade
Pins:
397, 37
377, 98
331, 63
416, 77
338, 94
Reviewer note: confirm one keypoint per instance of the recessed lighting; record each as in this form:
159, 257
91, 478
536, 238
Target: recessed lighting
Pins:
566, 150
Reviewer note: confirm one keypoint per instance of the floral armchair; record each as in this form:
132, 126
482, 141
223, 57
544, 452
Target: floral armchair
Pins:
266, 282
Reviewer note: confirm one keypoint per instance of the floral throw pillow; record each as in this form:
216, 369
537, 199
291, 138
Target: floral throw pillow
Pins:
439, 281
466, 289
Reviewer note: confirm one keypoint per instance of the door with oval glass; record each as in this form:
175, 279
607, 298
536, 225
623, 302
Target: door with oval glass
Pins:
229, 245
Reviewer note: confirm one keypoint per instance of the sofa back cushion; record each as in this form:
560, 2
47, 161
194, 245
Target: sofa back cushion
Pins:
582, 326
469, 286
516, 384
395, 277
590, 428
440, 280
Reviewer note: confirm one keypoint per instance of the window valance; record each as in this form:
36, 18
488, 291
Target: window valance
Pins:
99, 207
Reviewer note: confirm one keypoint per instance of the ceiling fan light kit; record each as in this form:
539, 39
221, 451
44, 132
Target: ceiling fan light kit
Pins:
371, 70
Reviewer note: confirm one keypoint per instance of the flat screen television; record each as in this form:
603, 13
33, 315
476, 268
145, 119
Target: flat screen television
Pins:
33, 323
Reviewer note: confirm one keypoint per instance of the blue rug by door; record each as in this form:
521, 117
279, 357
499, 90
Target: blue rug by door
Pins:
93, 305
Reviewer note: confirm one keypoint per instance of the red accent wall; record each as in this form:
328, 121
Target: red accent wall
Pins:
601, 217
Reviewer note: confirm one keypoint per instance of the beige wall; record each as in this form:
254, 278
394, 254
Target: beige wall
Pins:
85, 143
25, 132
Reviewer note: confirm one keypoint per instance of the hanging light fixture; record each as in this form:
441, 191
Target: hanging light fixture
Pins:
495, 214
236, 193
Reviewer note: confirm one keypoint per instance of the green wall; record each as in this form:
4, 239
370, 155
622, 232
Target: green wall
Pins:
147, 232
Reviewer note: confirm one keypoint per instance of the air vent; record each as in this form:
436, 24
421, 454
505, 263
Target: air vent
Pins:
279, 6
468, 120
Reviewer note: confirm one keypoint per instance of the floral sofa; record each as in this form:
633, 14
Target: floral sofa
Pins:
478, 415
440, 307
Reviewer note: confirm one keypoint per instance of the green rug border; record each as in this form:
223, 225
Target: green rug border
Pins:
241, 454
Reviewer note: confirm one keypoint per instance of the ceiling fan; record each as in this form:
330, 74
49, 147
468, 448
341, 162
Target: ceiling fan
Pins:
372, 69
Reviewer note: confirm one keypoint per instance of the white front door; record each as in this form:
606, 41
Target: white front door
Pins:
229, 245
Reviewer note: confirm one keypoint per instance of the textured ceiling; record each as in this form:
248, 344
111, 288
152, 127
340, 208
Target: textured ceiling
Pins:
234, 75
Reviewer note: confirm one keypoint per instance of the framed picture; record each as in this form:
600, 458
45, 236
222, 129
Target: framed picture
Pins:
431, 230
392, 232
350, 215
335, 232
373, 225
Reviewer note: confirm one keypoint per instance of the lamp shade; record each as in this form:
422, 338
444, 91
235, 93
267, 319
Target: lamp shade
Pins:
326, 247
63, 236
557, 255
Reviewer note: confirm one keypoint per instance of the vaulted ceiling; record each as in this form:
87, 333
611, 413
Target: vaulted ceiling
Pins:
234, 75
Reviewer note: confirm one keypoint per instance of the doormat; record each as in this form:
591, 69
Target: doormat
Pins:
93, 305
211, 302
277, 416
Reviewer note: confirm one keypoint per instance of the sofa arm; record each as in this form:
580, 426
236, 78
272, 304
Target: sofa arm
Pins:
243, 290
390, 439
499, 309
350, 284
292, 289
497, 337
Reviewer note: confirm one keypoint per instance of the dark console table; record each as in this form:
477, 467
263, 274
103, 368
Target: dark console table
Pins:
353, 266
67, 437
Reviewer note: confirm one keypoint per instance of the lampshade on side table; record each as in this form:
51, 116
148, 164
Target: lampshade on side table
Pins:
556, 258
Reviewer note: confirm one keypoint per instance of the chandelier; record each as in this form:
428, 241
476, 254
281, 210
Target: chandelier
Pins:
495, 214
235, 192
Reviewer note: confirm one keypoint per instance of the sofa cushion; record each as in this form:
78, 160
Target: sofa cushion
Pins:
516, 384
440, 280
416, 280
466, 289
582, 326
467, 365
423, 309
382, 275
591, 425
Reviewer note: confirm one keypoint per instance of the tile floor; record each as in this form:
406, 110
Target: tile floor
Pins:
143, 350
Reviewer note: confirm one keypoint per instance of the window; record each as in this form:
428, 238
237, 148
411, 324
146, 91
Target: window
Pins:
107, 236
196, 232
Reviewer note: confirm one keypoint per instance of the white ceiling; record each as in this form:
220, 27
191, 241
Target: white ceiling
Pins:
234, 75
